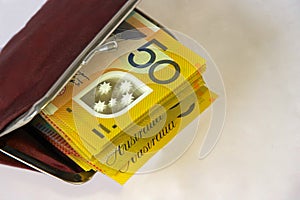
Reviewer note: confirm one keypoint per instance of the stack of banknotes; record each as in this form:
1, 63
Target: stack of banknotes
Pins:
131, 97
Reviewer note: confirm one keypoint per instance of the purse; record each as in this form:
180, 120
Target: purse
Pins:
36, 64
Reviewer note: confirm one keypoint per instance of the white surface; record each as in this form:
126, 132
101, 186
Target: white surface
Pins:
256, 46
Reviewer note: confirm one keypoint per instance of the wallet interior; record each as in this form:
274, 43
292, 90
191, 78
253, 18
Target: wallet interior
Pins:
26, 148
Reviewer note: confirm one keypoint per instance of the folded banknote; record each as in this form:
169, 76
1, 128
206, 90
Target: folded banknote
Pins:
114, 114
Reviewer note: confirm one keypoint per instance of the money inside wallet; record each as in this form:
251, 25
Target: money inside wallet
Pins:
129, 100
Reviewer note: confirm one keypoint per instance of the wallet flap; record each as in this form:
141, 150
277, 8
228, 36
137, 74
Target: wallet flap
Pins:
37, 62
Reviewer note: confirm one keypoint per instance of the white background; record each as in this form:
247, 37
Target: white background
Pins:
256, 45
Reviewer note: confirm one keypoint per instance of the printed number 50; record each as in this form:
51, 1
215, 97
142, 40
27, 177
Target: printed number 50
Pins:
145, 48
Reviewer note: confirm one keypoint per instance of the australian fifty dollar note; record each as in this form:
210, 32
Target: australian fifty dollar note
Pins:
113, 93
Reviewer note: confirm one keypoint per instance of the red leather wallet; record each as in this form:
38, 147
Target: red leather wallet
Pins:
31, 64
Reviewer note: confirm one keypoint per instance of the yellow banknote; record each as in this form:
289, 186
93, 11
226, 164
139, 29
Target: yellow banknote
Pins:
117, 93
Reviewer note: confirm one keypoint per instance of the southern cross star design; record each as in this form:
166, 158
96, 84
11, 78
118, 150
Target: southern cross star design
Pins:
127, 99
125, 86
124, 96
100, 106
104, 88
112, 102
